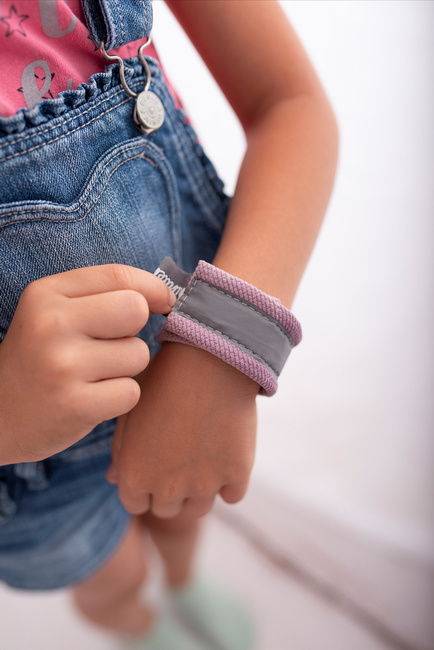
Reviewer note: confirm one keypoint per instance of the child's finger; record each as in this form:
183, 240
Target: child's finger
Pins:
112, 475
165, 509
134, 500
110, 315
113, 277
198, 507
109, 359
108, 399
234, 492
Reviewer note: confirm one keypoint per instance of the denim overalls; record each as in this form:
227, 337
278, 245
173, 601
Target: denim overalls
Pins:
80, 185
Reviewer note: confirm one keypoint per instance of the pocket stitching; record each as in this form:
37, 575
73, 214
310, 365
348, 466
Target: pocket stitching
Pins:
59, 137
55, 126
71, 208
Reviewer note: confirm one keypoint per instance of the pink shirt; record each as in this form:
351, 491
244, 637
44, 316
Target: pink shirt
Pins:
46, 48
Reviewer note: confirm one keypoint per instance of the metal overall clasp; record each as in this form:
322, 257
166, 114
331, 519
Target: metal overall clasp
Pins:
148, 109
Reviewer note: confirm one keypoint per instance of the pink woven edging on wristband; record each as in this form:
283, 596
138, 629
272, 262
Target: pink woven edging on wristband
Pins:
179, 329
255, 296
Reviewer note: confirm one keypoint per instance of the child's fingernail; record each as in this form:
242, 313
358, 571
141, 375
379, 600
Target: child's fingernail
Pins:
173, 299
112, 475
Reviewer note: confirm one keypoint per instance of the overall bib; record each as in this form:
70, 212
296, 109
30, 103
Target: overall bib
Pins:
81, 185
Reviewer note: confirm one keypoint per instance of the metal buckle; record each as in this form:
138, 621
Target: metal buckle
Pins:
148, 110
117, 59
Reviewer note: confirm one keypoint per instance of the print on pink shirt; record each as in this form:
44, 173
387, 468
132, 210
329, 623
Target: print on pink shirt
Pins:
14, 22
50, 21
46, 48
30, 88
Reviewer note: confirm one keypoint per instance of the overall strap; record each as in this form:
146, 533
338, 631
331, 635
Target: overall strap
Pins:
117, 22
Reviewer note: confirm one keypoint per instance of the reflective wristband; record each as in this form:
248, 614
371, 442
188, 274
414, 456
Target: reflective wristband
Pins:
231, 319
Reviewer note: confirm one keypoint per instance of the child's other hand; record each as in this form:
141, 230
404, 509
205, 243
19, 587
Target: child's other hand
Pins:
191, 436
68, 358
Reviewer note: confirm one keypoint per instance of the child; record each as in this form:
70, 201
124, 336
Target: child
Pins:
92, 200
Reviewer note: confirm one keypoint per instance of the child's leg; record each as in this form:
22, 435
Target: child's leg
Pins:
176, 540
217, 615
110, 598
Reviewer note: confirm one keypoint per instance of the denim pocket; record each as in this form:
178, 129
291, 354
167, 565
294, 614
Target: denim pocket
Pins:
128, 212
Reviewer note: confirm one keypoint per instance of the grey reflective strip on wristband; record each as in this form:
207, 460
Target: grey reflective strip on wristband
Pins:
247, 326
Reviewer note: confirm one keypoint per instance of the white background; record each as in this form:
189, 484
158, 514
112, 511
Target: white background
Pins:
350, 431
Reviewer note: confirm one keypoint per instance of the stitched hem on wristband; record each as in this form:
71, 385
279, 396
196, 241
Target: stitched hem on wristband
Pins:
182, 330
257, 310
234, 342
270, 305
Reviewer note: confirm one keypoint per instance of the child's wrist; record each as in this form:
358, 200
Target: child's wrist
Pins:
232, 320
214, 372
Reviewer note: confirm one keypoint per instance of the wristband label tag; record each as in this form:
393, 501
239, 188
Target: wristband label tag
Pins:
174, 277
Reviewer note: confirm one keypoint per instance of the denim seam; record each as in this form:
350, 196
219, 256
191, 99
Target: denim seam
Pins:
90, 207
191, 161
83, 197
145, 13
63, 135
171, 189
88, 189
69, 119
205, 197
152, 162
190, 166
195, 166
108, 22
122, 25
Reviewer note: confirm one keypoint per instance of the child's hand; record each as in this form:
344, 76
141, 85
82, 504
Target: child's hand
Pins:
68, 358
191, 436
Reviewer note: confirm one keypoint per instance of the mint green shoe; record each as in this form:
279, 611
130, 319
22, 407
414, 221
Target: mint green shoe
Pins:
167, 634
222, 620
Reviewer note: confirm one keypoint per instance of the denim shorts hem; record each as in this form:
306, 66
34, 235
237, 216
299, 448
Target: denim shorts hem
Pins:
76, 563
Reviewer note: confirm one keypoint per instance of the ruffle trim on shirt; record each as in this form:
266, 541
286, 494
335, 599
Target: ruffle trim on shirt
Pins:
69, 100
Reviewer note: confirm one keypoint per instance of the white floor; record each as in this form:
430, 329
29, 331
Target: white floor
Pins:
288, 617
309, 584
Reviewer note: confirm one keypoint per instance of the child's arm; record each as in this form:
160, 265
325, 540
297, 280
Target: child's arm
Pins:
192, 434
288, 169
